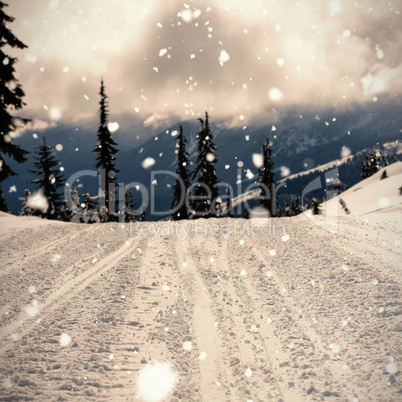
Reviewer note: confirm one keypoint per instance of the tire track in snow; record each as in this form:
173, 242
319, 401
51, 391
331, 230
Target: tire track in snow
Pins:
42, 250
212, 368
255, 373
343, 379
73, 286
269, 341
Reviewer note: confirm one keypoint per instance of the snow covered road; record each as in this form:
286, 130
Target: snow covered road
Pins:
216, 310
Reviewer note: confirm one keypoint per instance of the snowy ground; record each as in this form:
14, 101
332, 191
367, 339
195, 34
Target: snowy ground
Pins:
285, 311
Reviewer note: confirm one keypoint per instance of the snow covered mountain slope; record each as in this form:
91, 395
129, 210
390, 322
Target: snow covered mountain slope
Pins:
213, 310
374, 194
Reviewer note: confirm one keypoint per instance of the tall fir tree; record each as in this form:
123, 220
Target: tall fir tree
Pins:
206, 191
129, 209
50, 180
106, 149
143, 212
179, 209
3, 203
297, 206
11, 95
266, 179
229, 205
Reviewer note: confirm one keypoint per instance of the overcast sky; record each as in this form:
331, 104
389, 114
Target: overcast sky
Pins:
236, 59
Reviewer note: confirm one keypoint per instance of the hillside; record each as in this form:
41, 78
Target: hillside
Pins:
374, 194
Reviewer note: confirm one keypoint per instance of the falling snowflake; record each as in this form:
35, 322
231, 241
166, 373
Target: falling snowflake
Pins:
33, 309
335, 348
257, 160
156, 373
65, 339
187, 346
148, 162
391, 368
113, 126
223, 57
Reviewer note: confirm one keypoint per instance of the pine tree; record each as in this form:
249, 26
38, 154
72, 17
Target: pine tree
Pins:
372, 162
338, 186
365, 168
179, 205
11, 95
384, 175
26, 210
344, 207
129, 210
315, 205
106, 149
297, 206
288, 211
144, 211
76, 210
90, 214
266, 178
206, 190
3, 203
50, 180
229, 206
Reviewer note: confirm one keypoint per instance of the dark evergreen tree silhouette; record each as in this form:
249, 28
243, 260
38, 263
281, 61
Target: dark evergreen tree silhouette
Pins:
288, 211
266, 178
373, 159
229, 206
338, 186
106, 149
26, 210
129, 210
315, 206
179, 209
384, 175
3, 203
50, 180
344, 207
206, 189
11, 95
143, 211
297, 206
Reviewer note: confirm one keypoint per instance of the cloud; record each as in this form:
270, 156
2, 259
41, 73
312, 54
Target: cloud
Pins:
34, 125
74, 43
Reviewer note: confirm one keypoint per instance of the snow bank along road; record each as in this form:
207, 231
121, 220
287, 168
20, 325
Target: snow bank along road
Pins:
291, 314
